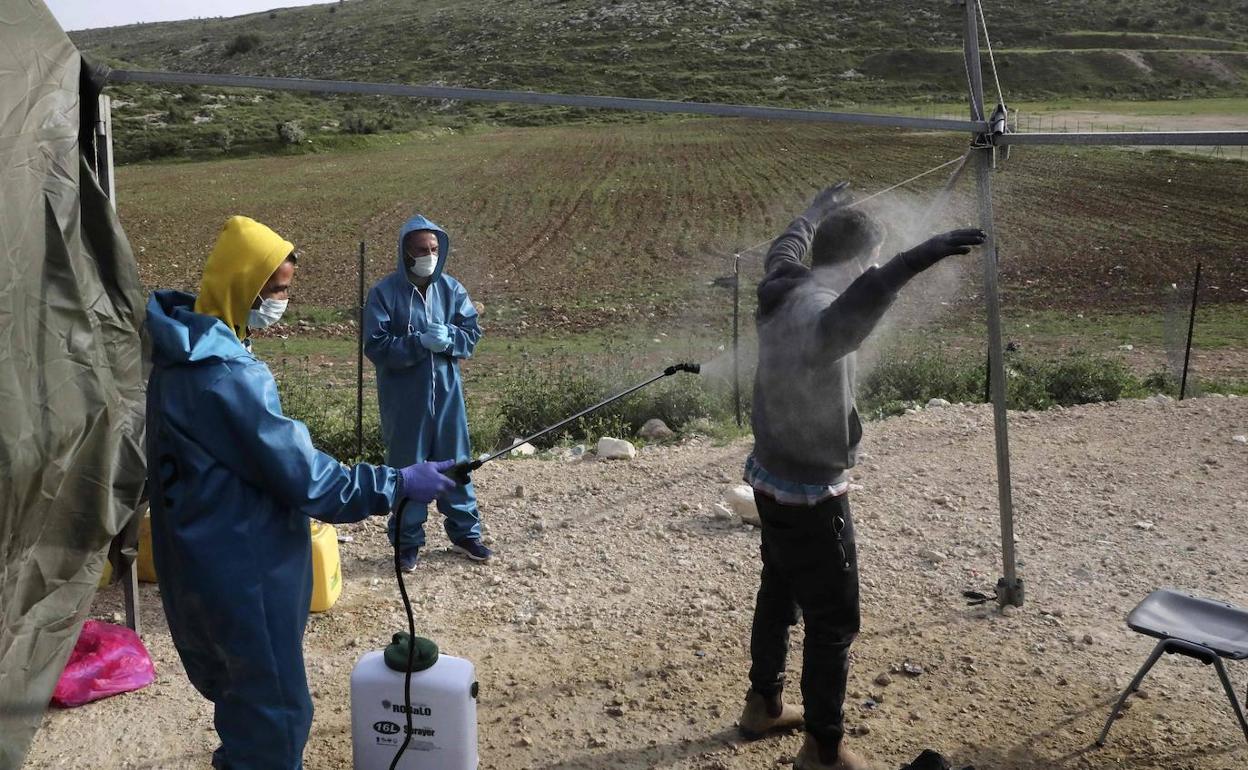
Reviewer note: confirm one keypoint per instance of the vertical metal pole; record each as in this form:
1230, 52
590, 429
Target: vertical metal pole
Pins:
736, 337
359, 365
1191, 326
104, 149
104, 172
1009, 587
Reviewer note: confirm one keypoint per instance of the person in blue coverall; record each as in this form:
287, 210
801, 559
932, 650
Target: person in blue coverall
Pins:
418, 323
232, 483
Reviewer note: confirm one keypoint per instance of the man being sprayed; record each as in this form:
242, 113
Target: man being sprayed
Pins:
418, 324
232, 482
806, 434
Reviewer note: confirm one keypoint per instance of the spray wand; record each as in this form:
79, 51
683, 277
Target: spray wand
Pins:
461, 473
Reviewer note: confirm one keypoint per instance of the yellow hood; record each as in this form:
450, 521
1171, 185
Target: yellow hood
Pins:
240, 264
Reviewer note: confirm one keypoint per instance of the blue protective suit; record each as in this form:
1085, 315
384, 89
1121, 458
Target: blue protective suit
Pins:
420, 393
232, 482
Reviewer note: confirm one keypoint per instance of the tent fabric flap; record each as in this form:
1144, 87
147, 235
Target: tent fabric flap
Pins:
71, 369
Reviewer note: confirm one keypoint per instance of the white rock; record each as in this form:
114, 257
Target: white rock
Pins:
523, 450
722, 512
741, 500
1127, 348
937, 403
1240, 439
1144, 525
655, 430
615, 449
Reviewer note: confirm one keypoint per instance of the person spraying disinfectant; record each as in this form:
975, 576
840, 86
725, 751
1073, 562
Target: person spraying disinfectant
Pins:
232, 481
419, 323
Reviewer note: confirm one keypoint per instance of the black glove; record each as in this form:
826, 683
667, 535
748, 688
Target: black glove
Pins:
934, 249
828, 199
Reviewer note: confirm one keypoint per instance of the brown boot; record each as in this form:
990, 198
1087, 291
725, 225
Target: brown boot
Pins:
815, 757
767, 715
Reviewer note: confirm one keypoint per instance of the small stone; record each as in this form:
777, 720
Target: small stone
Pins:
884, 680
862, 729
916, 716
615, 449
519, 490
655, 430
1241, 439
1142, 694
722, 512
1127, 348
937, 403
1088, 639
524, 741
741, 500
1009, 610
932, 555
615, 711
913, 669
496, 580
1144, 525
117, 618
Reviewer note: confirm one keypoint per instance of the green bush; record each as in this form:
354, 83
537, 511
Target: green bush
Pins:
1080, 378
242, 44
289, 132
329, 411
531, 399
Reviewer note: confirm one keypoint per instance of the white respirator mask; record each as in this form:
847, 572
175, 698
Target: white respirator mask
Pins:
269, 313
422, 267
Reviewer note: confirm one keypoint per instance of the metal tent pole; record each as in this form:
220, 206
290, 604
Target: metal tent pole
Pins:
359, 364
1009, 587
129, 578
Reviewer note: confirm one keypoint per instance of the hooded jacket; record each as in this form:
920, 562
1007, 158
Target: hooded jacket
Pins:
806, 425
232, 481
420, 392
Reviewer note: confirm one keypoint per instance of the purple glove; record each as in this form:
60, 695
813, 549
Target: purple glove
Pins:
422, 482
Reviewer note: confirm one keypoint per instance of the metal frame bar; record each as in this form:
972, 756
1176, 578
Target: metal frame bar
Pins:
1130, 138
534, 97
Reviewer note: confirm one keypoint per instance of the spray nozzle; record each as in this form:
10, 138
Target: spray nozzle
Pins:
462, 473
691, 368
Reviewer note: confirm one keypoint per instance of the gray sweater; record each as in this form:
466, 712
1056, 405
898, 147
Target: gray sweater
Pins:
806, 427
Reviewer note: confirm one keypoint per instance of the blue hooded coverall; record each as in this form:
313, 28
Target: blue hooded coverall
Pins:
232, 482
420, 393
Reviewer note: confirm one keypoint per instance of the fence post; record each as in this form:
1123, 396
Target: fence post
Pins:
1191, 326
359, 365
736, 337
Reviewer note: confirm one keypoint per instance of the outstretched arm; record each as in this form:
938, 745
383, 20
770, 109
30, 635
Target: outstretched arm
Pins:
851, 318
791, 246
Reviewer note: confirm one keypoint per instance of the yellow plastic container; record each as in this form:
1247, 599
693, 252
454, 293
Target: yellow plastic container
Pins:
145, 563
326, 569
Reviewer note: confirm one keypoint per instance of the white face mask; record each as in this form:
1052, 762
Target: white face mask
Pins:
269, 313
422, 267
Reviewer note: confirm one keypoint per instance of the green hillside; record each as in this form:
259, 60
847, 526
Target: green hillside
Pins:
780, 52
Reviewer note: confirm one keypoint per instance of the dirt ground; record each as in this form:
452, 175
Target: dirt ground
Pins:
611, 631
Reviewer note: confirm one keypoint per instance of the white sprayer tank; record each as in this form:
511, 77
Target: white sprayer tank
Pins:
444, 711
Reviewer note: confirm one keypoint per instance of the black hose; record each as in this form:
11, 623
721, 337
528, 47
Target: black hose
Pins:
411, 632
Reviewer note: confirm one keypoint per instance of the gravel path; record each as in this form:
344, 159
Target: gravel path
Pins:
611, 632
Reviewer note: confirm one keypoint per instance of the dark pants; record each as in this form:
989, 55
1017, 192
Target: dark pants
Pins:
810, 564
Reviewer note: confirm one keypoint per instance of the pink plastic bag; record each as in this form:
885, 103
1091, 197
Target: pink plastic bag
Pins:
106, 660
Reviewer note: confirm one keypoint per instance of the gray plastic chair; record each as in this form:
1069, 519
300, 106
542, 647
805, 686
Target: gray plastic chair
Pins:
1204, 629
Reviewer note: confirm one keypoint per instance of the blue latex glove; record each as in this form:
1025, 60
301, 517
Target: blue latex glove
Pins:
436, 338
422, 482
